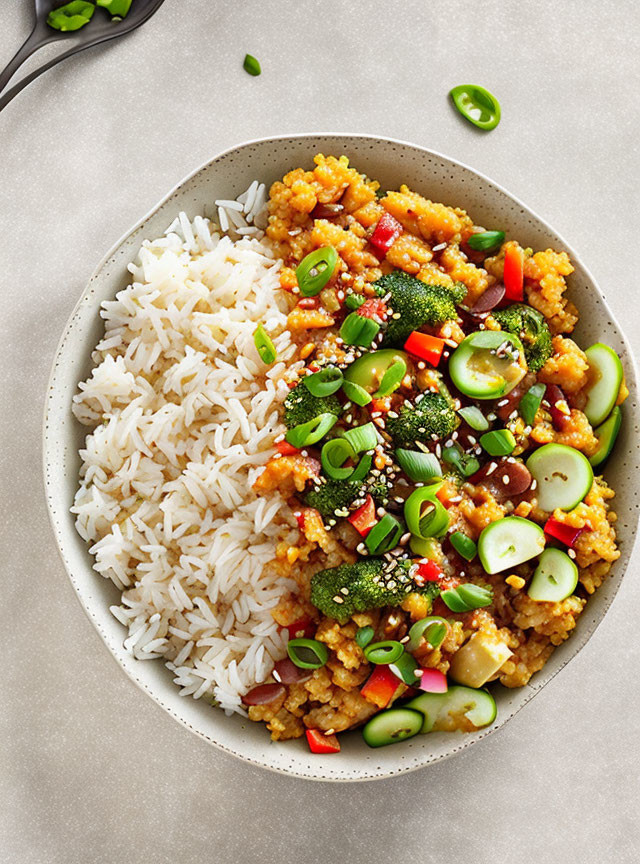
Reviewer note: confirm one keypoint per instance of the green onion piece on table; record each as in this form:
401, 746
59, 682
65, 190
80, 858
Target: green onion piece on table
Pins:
310, 432
307, 653
71, 16
392, 378
364, 636
500, 442
315, 270
383, 653
325, 382
466, 597
355, 393
464, 545
486, 241
358, 330
476, 105
424, 514
264, 346
530, 403
362, 438
433, 629
384, 535
474, 418
419, 466
251, 65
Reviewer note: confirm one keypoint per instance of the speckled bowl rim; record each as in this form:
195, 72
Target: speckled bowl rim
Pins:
323, 769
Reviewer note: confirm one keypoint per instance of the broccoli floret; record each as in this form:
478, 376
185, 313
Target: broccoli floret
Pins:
301, 405
431, 414
416, 303
333, 495
529, 325
369, 584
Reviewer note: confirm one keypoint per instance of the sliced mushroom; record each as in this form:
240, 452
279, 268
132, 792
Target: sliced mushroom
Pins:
264, 694
503, 478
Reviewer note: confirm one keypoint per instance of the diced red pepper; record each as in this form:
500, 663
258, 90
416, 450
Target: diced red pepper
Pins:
286, 449
513, 277
320, 743
302, 627
564, 533
300, 520
429, 571
364, 518
558, 406
386, 233
425, 347
381, 686
374, 307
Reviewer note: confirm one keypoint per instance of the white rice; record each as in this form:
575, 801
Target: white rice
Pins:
185, 416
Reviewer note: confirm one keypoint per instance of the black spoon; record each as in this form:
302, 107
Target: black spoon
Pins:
100, 29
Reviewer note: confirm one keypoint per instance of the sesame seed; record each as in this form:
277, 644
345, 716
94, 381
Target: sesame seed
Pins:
454, 437
276, 676
571, 553
405, 538
472, 440
344, 591
380, 422
422, 364
492, 467
534, 484
502, 403
338, 599
404, 640
376, 414
506, 480
392, 414
398, 499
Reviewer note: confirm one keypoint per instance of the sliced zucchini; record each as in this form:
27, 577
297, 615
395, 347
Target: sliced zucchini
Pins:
606, 433
605, 366
563, 476
555, 578
477, 706
368, 371
389, 727
487, 364
508, 542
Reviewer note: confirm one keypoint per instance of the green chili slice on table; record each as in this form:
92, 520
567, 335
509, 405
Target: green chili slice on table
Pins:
325, 382
307, 653
486, 240
310, 432
71, 16
251, 65
384, 535
476, 105
315, 270
264, 346
433, 629
358, 330
383, 653
355, 393
424, 514
364, 636
392, 378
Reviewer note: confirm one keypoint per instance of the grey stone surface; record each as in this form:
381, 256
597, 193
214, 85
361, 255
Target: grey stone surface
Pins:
90, 769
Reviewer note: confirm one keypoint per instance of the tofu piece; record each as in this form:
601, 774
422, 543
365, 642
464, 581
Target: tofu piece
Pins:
478, 660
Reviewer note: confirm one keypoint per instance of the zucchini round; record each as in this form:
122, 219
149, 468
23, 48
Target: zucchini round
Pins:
479, 372
563, 476
508, 542
389, 727
555, 578
607, 372
606, 433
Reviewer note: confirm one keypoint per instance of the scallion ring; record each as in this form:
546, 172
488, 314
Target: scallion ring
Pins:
364, 636
419, 466
384, 535
405, 668
424, 514
264, 346
392, 378
358, 330
355, 393
307, 653
466, 597
362, 438
474, 418
464, 545
333, 456
325, 382
315, 270
433, 629
310, 432
383, 653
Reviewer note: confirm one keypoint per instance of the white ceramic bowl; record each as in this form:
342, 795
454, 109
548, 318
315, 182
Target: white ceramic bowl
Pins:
391, 162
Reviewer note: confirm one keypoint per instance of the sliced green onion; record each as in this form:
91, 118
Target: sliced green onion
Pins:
392, 378
71, 16
325, 382
466, 597
315, 270
465, 463
500, 442
251, 65
358, 330
405, 668
364, 636
264, 346
419, 466
362, 469
384, 535
424, 514
355, 393
354, 301
474, 418
432, 629
425, 547
333, 456
530, 403
486, 240
362, 437
463, 545
383, 653
307, 653
310, 432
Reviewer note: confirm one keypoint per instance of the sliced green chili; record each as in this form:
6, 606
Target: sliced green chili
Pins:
405, 668
315, 270
500, 442
486, 240
251, 65
310, 432
424, 514
116, 8
463, 545
384, 535
358, 330
307, 653
466, 597
474, 418
325, 382
465, 463
392, 378
476, 105
419, 466
530, 403
355, 393
354, 301
362, 438
364, 636
71, 16
264, 346
433, 629
383, 653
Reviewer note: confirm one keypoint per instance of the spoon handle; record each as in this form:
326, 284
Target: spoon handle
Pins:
7, 96
32, 43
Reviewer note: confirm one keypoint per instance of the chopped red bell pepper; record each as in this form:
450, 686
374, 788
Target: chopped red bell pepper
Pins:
381, 686
564, 533
558, 406
364, 518
386, 233
374, 307
286, 449
321, 743
513, 277
300, 520
302, 627
425, 347
429, 571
